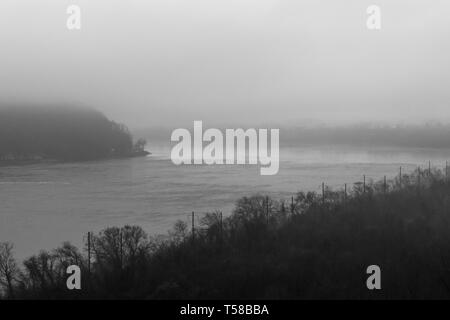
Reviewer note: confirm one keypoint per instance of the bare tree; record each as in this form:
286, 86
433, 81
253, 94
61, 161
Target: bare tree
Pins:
8, 268
140, 145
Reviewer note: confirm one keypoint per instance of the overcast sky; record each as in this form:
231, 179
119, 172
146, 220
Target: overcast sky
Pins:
169, 62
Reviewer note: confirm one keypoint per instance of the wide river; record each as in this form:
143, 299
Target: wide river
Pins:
45, 204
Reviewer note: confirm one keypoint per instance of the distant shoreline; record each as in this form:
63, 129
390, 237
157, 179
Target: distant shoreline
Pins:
8, 163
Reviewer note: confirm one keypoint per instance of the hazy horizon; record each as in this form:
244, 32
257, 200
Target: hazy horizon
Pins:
250, 61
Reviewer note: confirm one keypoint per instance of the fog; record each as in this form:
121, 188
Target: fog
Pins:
169, 62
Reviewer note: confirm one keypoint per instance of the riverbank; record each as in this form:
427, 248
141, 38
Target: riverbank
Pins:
7, 163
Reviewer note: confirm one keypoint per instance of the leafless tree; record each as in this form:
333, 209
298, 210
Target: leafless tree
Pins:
8, 268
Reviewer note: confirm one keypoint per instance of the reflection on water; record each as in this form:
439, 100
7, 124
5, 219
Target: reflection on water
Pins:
45, 204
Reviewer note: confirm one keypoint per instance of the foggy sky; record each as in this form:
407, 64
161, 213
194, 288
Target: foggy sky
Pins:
169, 62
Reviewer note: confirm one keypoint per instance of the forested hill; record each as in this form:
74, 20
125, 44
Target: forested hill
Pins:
62, 133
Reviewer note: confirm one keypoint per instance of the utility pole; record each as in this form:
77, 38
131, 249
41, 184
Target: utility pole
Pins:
418, 176
446, 171
267, 209
400, 177
193, 227
89, 251
345, 193
323, 193
292, 205
364, 183
221, 227
384, 185
121, 249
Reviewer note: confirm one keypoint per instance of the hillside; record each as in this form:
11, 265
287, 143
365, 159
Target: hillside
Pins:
61, 133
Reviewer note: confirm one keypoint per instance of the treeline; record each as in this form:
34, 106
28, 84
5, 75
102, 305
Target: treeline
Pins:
414, 136
313, 246
433, 135
62, 133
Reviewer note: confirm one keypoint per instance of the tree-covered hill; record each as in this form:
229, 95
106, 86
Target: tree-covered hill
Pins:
61, 133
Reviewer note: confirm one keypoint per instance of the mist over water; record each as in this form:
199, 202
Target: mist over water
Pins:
46, 204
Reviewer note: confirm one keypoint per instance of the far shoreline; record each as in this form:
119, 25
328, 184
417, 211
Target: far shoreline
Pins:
28, 162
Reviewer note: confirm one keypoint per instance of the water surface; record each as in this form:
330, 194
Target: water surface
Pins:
42, 205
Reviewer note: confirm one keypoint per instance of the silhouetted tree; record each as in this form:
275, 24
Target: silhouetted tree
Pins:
9, 272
